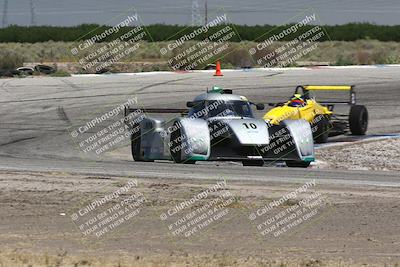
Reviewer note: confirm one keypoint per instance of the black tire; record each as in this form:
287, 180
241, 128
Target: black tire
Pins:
175, 148
177, 143
44, 69
358, 119
135, 146
297, 164
258, 163
321, 129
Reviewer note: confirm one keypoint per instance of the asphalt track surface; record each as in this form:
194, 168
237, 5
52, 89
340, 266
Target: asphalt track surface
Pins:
37, 114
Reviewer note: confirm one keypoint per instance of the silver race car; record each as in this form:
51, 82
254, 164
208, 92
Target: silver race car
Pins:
218, 125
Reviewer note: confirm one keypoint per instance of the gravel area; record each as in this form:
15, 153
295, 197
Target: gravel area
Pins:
372, 155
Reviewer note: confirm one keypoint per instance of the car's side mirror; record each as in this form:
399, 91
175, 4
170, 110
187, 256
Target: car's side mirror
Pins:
260, 106
190, 104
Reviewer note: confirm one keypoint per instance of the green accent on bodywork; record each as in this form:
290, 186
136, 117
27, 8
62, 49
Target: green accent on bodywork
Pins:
198, 157
309, 159
216, 89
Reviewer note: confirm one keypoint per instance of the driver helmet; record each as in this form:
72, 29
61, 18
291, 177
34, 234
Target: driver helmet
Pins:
297, 100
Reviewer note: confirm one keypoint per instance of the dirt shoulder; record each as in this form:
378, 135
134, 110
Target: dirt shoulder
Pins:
368, 155
350, 226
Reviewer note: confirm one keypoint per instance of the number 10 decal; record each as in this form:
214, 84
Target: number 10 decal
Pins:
250, 125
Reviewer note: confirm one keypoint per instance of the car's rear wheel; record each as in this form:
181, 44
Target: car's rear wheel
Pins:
358, 119
321, 129
253, 163
297, 164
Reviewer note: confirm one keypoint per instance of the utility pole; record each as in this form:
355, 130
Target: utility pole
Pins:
33, 13
5, 13
196, 17
205, 13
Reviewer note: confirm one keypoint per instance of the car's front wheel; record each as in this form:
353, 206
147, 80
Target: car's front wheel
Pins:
136, 146
258, 163
297, 164
176, 147
321, 129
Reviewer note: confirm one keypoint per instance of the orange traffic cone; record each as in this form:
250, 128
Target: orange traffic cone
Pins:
218, 70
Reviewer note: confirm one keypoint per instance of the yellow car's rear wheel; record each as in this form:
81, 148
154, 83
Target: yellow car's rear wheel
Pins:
358, 120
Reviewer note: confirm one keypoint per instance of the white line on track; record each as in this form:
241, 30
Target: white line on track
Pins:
310, 68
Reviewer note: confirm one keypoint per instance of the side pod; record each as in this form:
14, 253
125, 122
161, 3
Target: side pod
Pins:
190, 140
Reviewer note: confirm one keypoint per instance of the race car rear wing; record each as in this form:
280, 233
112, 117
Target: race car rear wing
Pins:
305, 91
129, 110
133, 116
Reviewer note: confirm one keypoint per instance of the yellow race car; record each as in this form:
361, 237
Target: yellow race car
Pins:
320, 115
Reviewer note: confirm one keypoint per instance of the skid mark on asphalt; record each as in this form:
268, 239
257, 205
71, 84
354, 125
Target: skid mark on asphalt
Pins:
71, 85
159, 83
63, 116
18, 140
58, 98
94, 96
4, 87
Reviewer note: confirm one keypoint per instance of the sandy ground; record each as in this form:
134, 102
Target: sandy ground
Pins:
369, 155
352, 226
